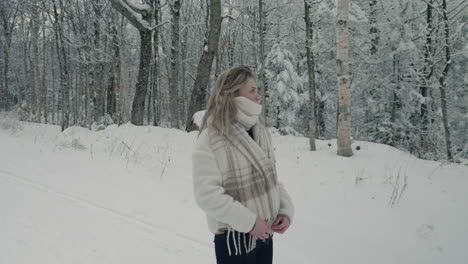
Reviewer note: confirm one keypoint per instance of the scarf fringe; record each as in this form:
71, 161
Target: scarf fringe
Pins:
248, 246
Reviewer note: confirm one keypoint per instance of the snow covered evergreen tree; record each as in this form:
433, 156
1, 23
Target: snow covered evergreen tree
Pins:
286, 95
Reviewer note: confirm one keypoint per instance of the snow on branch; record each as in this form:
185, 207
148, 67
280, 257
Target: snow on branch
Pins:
133, 12
139, 8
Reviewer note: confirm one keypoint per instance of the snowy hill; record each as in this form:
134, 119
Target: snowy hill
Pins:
124, 195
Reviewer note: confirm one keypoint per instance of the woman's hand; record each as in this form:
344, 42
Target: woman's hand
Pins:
261, 230
281, 224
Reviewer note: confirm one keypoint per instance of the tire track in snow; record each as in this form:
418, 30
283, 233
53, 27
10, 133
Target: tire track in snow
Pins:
127, 217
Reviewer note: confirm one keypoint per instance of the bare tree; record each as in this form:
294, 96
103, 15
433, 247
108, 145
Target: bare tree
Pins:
262, 82
371, 93
45, 59
373, 27
443, 83
113, 93
123, 102
427, 74
396, 99
8, 15
98, 69
142, 18
34, 59
310, 72
174, 75
155, 69
64, 104
344, 80
210, 49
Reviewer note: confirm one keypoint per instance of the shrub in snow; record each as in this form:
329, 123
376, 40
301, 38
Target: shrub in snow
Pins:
102, 123
9, 121
73, 143
287, 130
72, 138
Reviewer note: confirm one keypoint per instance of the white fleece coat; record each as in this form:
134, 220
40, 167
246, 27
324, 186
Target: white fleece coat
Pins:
222, 211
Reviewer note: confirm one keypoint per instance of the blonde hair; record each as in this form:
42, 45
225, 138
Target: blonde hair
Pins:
221, 111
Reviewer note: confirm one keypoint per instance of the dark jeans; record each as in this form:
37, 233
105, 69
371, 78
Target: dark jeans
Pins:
262, 254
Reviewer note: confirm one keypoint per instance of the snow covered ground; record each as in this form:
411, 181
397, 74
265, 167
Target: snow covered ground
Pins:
124, 195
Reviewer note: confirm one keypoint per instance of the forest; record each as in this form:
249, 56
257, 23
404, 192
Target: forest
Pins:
392, 72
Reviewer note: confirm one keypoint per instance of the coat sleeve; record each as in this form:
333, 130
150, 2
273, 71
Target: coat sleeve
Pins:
210, 194
286, 204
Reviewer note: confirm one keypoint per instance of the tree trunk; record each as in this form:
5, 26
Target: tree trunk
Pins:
123, 100
98, 91
45, 90
396, 101
124, 94
373, 28
174, 75
372, 122
5, 102
311, 73
262, 81
183, 99
427, 71
344, 80
155, 70
8, 15
111, 88
36, 81
28, 92
138, 107
278, 117
63, 66
54, 106
142, 18
149, 98
443, 83
321, 118
114, 82
210, 49
80, 92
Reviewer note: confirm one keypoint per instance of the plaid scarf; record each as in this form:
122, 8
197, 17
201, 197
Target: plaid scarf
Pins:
247, 164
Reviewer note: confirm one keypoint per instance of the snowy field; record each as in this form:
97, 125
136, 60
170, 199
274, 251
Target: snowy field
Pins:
124, 195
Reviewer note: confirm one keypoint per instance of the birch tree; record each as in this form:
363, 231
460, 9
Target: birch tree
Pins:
344, 80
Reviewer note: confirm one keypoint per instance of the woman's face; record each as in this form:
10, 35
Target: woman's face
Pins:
249, 90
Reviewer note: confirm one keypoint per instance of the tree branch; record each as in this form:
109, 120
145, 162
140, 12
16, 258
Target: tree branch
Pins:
139, 8
127, 11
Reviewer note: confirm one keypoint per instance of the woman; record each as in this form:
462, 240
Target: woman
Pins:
234, 173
